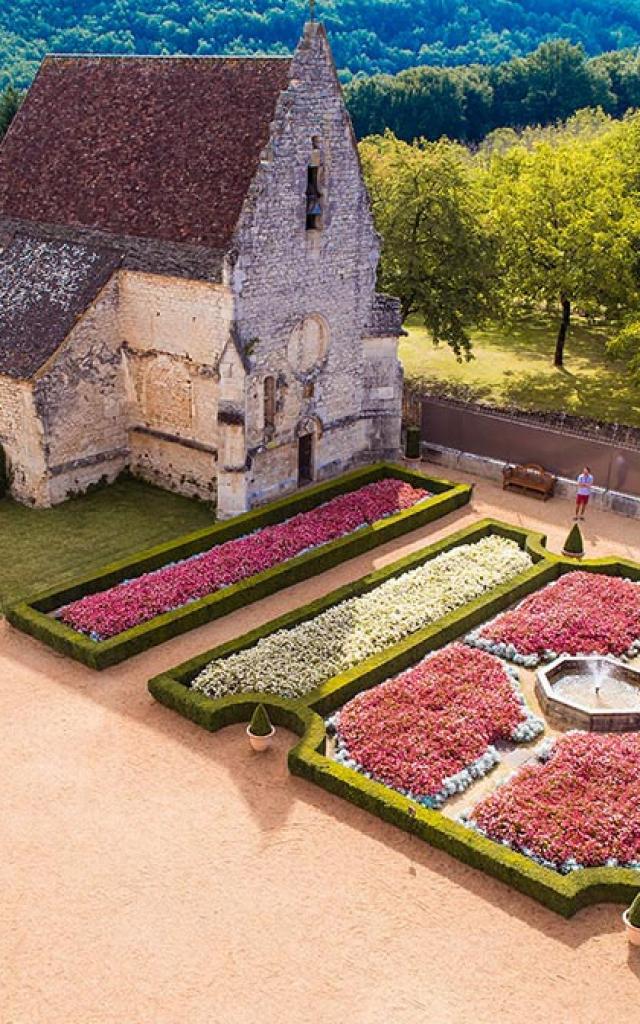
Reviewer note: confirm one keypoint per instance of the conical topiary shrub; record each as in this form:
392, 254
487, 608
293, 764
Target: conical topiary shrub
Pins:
633, 915
413, 443
260, 722
260, 730
574, 544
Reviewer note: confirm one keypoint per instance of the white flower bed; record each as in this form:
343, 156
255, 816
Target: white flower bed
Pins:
293, 662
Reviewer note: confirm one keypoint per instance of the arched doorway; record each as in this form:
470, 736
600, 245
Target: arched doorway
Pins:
308, 432
305, 459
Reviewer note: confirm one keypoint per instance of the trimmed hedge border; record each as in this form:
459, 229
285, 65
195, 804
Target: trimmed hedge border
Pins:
564, 894
32, 616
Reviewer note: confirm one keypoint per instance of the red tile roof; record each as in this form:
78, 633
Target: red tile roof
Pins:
155, 147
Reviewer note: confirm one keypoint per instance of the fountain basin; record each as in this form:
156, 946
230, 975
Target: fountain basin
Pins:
592, 693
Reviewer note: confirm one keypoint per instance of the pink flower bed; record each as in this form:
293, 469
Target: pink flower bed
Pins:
580, 807
128, 604
429, 732
582, 613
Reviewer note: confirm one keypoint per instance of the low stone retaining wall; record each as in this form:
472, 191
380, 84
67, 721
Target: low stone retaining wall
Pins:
491, 469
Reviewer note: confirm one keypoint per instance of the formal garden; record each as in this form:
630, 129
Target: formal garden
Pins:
413, 693
414, 690
139, 601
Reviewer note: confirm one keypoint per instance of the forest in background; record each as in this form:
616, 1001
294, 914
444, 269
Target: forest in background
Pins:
467, 103
367, 36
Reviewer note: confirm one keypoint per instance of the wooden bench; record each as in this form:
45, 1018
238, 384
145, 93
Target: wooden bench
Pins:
529, 477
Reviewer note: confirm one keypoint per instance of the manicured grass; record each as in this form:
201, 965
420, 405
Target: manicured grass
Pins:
43, 547
513, 366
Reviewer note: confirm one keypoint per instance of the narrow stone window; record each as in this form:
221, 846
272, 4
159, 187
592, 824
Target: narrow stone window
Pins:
269, 405
314, 194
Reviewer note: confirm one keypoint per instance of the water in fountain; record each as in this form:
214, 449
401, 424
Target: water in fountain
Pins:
597, 688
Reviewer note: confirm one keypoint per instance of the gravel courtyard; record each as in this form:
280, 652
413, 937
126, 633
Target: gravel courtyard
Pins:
155, 874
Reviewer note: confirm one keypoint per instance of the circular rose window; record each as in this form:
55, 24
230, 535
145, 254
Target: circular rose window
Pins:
308, 344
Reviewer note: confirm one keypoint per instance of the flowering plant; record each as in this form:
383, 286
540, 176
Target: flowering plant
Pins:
430, 732
578, 806
292, 662
128, 604
581, 613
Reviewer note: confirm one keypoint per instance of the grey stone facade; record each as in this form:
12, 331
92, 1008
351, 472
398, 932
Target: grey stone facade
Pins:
298, 290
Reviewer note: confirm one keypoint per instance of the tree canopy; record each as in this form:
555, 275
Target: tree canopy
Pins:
368, 36
10, 100
548, 218
438, 250
466, 103
567, 223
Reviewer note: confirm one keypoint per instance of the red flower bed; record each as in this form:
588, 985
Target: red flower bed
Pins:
582, 613
581, 807
128, 604
434, 722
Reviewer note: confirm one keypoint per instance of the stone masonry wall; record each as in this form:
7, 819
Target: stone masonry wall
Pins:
289, 280
382, 400
135, 384
21, 438
173, 334
79, 397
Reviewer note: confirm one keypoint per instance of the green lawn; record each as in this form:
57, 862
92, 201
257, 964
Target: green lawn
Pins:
43, 547
514, 366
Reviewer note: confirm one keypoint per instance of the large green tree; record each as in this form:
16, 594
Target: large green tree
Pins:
549, 85
437, 255
566, 221
465, 103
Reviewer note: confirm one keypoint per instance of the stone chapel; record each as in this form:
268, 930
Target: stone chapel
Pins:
187, 280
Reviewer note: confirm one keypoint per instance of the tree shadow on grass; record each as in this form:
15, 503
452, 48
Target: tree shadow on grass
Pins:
515, 369
585, 396
536, 339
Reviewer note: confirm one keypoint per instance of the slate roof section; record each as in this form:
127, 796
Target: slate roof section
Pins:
152, 147
44, 287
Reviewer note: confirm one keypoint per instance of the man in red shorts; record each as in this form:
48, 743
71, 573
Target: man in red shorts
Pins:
585, 483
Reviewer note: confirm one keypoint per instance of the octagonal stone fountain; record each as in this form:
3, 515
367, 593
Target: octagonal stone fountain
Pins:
593, 693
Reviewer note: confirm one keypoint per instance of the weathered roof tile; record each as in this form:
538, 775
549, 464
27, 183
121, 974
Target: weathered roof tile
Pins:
155, 147
44, 287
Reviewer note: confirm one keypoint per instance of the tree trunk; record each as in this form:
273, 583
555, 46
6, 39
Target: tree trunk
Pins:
558, 359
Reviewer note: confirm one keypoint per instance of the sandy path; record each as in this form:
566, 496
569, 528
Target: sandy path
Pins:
154, 874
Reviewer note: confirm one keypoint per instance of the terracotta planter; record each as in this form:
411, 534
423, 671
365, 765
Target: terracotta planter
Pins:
260, 743
633, 932
572, 554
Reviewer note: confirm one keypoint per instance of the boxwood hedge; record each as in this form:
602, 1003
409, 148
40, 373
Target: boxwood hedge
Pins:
34, 617
305, 717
